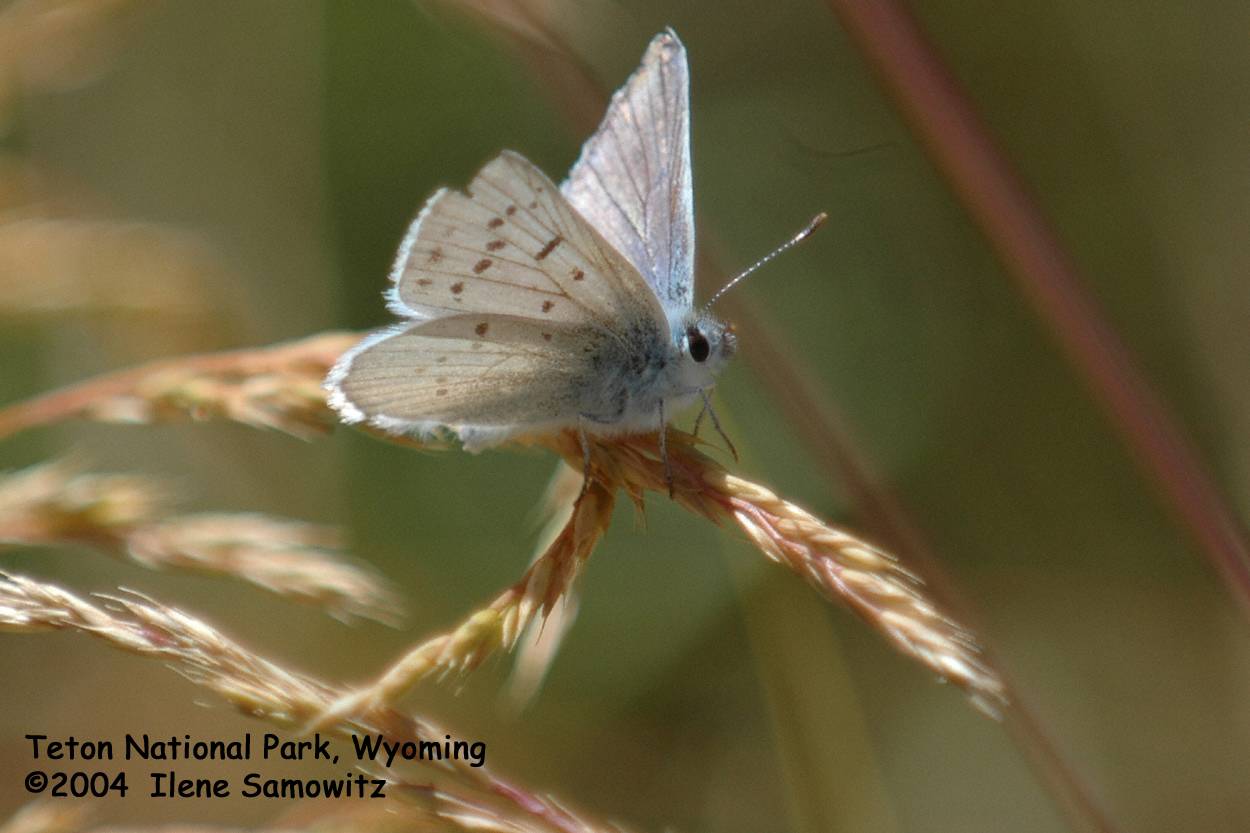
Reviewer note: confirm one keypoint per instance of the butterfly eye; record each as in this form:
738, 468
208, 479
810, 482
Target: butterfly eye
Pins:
697, 343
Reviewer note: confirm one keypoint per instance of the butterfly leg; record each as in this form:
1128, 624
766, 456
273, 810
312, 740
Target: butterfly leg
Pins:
698, 420
707, 408
668, 466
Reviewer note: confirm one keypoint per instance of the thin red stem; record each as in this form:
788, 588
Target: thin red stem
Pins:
941, 115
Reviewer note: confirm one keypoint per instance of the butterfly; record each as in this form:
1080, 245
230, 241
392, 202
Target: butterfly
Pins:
531, 308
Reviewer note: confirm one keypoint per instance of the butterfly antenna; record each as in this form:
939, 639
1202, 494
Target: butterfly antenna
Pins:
817, 222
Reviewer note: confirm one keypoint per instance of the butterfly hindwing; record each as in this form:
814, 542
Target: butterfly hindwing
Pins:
480, 375
633, 180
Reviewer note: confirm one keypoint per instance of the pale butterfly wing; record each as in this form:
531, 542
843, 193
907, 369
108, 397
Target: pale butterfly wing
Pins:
484, 376
633, 178
515, 296
514, 246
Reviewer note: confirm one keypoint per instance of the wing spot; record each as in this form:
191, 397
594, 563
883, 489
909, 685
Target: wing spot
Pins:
482, 265
481, 329
441, 392
436, 254
495, 245
477, 345
533, 205
442, 380
424, 281
579, 275
457, 287
547, 305
549, 248
441, 359
510, 210
546, 336
495, 222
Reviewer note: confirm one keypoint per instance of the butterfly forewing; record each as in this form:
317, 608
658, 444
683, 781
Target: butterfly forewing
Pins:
633, 178
513, 246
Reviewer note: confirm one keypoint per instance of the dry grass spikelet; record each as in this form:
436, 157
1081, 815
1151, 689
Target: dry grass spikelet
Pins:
276, 387
844, 567
126, 516
540, 643
500, 624
454, 791
56, 503
290, 558
397, 817
279, 387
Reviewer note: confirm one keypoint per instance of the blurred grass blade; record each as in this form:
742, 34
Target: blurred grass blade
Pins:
264, 689
58, 266
126, 516
500, 624
276, 387
847, 569
540, 642
52, 45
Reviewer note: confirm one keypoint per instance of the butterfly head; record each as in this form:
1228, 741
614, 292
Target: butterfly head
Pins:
706, 344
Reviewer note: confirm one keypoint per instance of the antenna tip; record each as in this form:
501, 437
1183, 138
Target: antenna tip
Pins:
817, 222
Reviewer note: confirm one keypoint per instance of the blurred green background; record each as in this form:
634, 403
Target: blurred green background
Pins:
280, 148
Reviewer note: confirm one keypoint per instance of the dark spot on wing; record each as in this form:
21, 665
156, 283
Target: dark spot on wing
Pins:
441, 359
546, 336
442, 380
495, 245
481, 329
510, 210
436, 254
482, 265
533, 205
547, 305
424, 281
457, 287
495, 222
441, 392
549, 248
579, 275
